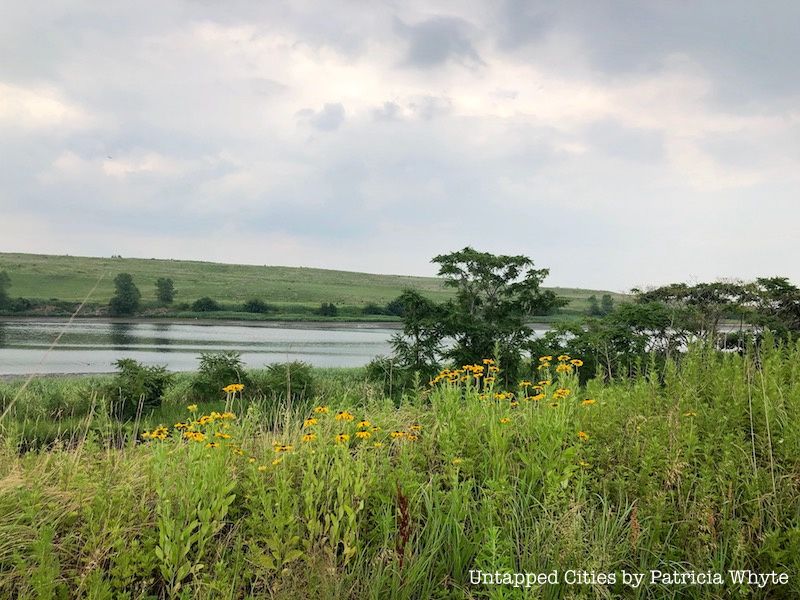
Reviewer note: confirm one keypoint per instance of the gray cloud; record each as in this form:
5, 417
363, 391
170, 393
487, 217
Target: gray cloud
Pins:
328, 118
617, 143
436, 41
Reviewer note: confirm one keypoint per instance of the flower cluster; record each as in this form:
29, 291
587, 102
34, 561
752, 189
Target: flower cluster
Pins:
467, 372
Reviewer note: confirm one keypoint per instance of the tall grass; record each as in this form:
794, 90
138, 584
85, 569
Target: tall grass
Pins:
693, 468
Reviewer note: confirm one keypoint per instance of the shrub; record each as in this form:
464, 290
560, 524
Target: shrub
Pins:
257, 306
205, 304
389, 373
136, 383
373, 309
294, 380
218, 369
327, 309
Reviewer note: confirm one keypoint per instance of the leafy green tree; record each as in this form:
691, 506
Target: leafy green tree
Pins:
606, 304
700, 308
594, 307
617, 344
126, 296
395, 307
5, 283
165, 290
418, 345
777, 304
496, 295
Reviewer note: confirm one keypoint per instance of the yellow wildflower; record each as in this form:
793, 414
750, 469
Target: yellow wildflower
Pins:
192, 408
588, 402
363, 434
583, 436
505, 420
344, 416
341, 438
321, 410
364, 424
309, 423
309, 437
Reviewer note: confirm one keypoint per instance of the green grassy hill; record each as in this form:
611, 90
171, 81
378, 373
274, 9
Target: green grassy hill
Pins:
69, 278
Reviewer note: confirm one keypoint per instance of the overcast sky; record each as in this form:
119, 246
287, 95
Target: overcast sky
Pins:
617, 143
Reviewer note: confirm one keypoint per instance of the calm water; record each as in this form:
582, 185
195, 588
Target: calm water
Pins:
92, 347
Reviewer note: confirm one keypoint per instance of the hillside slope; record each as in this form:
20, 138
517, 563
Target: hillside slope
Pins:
69, 278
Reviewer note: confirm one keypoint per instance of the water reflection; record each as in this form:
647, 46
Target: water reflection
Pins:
120, 335
162, 341
92, 346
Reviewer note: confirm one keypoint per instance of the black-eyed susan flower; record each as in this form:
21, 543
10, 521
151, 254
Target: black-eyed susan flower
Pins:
377, 444
363, 434
363, 424
309, 423
588, 402
222, 436
545, 358
192, 408
583, 436
415, 428
563, 368
341, 438
563, 357
344, 416
309, 437
505, 420
396, 434
321, 410
576, 362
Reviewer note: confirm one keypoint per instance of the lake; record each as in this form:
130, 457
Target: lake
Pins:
93, 346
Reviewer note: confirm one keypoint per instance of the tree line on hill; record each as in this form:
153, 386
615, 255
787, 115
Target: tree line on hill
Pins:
127, 301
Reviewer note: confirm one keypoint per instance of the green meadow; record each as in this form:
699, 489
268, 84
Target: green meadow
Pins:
293, 290
345, 492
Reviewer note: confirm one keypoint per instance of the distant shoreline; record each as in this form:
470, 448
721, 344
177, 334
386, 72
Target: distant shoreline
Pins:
298, 324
